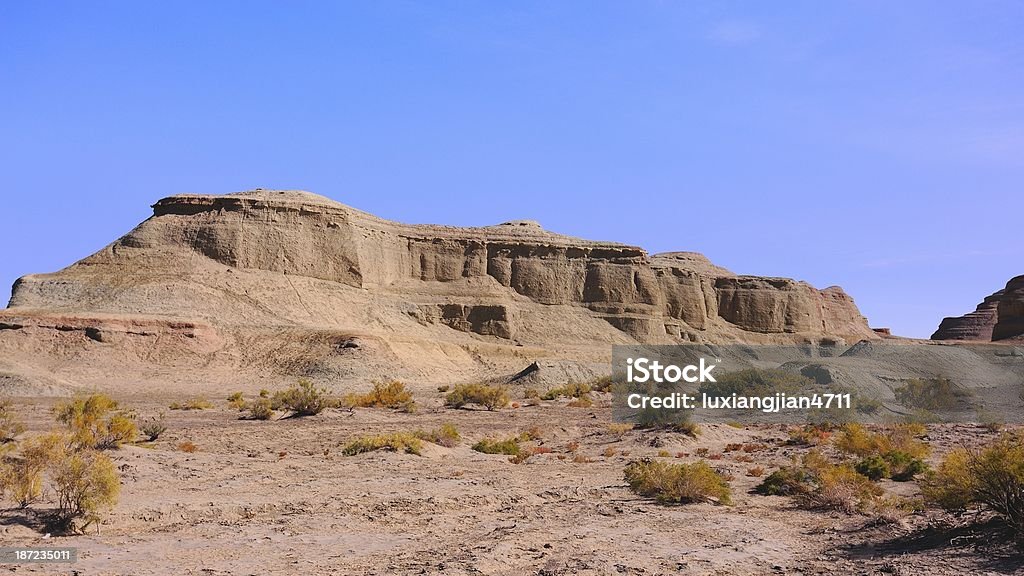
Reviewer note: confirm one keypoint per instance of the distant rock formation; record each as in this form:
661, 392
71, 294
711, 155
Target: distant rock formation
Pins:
288, 277
1000, 316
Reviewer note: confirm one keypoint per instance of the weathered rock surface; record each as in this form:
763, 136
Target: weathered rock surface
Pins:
1000, 316
239, 270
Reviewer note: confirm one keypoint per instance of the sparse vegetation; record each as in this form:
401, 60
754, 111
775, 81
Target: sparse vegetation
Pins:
96, 421
188, 447
508, 446
490, 397
992, 477
394, 442
198, 403
817, 482
303, 399
932, 394
570, 390
893, 453
260, 409
447, 435
10, 427
677, 483
154, 427
236, 401
384, 395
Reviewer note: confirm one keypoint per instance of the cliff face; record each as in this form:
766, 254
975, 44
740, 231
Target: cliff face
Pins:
1000, 316
474, 280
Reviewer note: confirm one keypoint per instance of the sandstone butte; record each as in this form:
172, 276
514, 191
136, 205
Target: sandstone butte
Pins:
999, 317
236, 287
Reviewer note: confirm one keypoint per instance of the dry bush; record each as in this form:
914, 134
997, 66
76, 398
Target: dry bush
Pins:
733, 447
96, 421
755, 472
819, 483
932, 394
447, 435
443, 388
570, 390
581, 402
619, 429
197, 403
154, 427
992, 476
384, 395
10, 427
394, 442
508, 446
582, 459
531, 434
83, 480
260, 409
677, 483
664, 454
187, 446
608, 452
809, 435
303, 399
602, 383
490, 397
236, 401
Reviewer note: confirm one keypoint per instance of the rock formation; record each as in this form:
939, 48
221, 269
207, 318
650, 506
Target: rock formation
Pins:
293, 278
1000, 316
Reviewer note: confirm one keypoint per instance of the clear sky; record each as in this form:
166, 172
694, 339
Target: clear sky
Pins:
874, 145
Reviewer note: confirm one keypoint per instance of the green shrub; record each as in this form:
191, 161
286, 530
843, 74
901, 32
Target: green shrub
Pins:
96, 421
677, 483
394, 442
303, 399
509, 446
817, 482
873, 467
447, 435
992, 476
384, 395
490, 397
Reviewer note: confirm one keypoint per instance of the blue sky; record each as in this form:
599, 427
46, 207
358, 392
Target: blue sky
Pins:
874, 145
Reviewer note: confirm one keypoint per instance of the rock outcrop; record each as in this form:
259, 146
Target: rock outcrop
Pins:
254, 263
1000, 316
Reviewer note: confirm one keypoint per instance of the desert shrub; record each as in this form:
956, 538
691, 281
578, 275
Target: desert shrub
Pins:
508, 446
755, 472
394, 442
570, 390
932, 394
873, 467
443, 388
818, 482
236, 401
619, 429
490, 397
82, 479
153, 428
809, 434
197, 403
10, 427
531, 434
188, 447
903, 466
264, 393
581, 402
992, 477
602, 384
755, 382
447, 435
96, 421
677, 483
608, 452
260, 409
85, 482
384, 395
303, 399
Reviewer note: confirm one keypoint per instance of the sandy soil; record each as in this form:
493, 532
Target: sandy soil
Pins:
279, 497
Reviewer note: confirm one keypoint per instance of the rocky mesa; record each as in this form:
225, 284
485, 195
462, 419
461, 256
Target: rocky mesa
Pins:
297, 282
1000, 316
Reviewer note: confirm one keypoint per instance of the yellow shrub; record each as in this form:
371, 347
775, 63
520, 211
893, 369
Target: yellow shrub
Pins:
395, 442
447, 435
677, 483
490, 397
384, 395
96, 421
303, 399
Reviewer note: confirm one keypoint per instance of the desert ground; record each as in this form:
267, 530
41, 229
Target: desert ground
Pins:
278, 496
